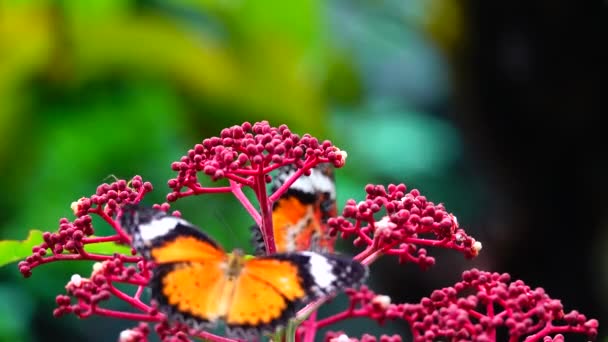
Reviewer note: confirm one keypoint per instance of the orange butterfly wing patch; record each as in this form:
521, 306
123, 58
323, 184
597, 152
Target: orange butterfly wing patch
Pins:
265, 297
190, 291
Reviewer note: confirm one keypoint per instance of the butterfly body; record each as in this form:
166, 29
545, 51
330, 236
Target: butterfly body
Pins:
196, 282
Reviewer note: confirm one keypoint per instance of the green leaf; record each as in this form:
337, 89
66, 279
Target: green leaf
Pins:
108, 248
15, 250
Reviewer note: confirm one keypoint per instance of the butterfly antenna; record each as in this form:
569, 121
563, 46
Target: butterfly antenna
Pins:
112, 177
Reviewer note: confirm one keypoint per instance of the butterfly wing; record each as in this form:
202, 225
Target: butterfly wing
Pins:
164, 238
299, 217
270, 289
325, 274
188, 281
192, 293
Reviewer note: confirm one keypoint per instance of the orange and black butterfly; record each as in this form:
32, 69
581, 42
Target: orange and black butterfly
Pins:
196, 282
299, 217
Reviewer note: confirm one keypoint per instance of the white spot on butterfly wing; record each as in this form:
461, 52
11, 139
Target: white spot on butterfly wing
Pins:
159, 227
317, 182
321, 270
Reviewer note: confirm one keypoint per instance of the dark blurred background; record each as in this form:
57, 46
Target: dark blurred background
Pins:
493, 108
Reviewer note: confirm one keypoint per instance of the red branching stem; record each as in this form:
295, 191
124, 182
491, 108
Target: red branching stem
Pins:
311, 307
186, 193
140, 195
114, 224
128, 315
139, 291
102, 257
136, 303
551, 329
197, 190
308, 164
83, 256
245, 181
212, 337
265, 210
365, 253
371, 253
100, 239
434, 243
133, 280
245, 172
340, 316
477, 314
489, 313
372, 257
363, 236
237, 190
310, 327
272, 167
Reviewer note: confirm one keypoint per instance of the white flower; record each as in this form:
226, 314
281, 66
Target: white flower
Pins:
127, 335
97, 267
477, 247
75, 280
384, 226
343, 154
382, 300
341, 338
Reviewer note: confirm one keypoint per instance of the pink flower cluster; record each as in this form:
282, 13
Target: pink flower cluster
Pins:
245, 155
474, 309
393, 222
69, 242
390, 221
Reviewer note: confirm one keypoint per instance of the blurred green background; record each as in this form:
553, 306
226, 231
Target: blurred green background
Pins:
101, 88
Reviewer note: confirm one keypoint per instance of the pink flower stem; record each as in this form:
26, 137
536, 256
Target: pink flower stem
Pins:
244, 181
428, 242
371, 253
310, 327
136, 303
475, 314
260, 191
308, 164
311, 307
372, 257
490, 314
128, 315
236, 189
140, 290
139, 281
550, 329
211, 337
364, 237
340, 317
101, 257
365, 253
140, 194
113, 223
273, 167
197, 190
100, 239
84, 256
